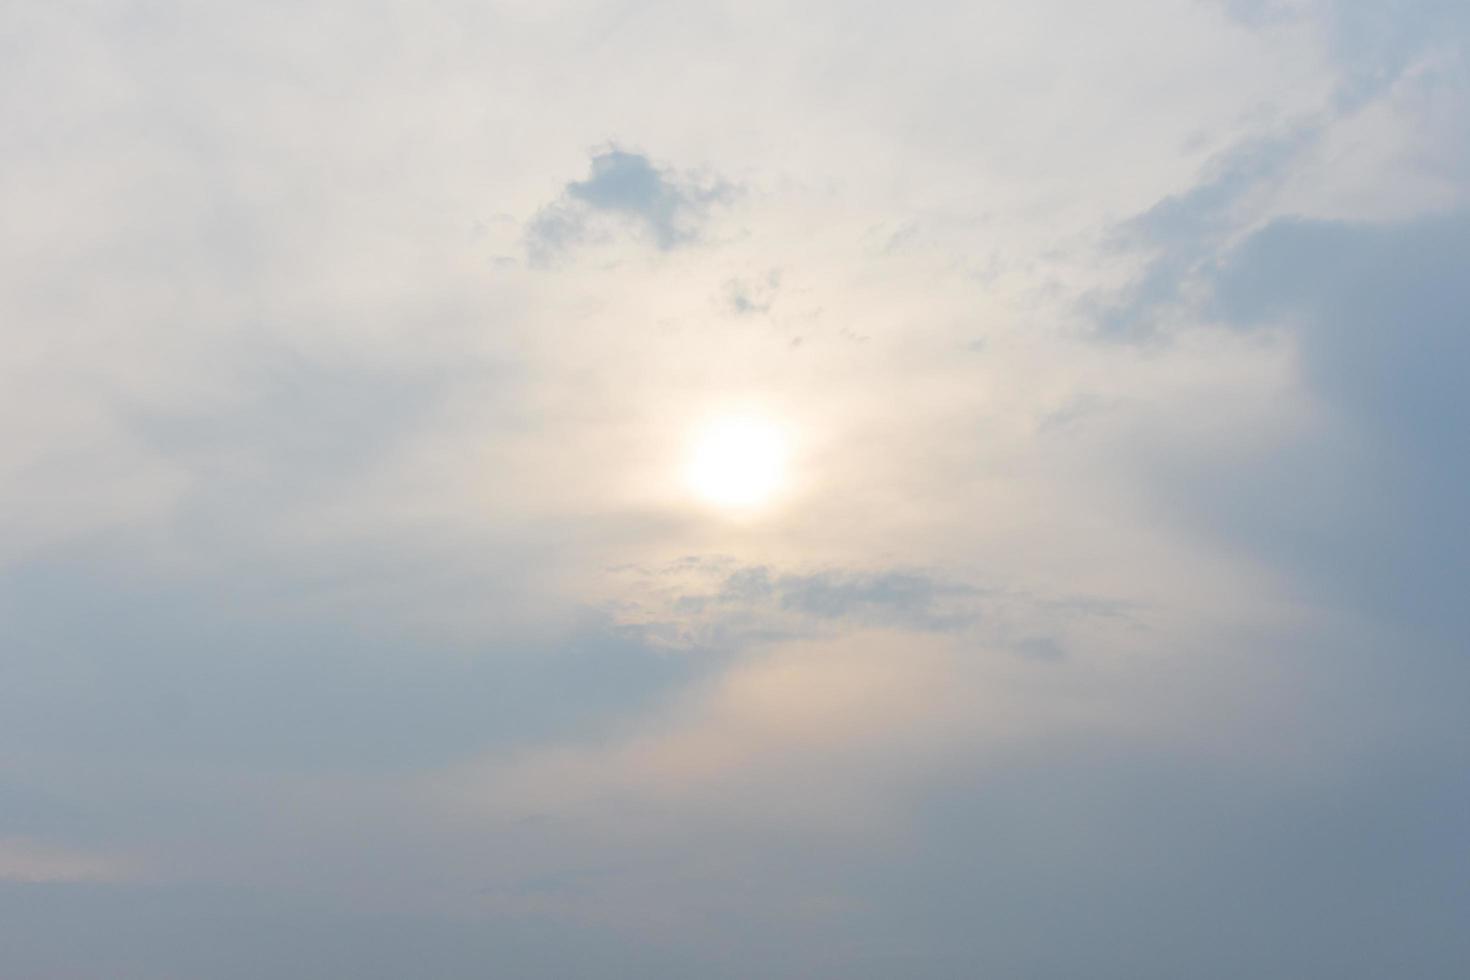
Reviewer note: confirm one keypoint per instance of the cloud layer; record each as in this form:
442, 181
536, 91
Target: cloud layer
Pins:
356, 619
627, 187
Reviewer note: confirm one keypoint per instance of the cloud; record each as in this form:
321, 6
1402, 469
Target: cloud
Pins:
1410, 51
279, 430
716, 606
1258, 13
1371, 45
900, 597
239, 670
756, 598
28, 861
311, 494
1375, 43
1377, 315
1363, 513
1183, 233
631, 190
751, 296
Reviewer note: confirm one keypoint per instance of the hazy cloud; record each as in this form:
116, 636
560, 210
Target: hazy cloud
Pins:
891, 598
33, 862
660, 205
1378, 315
750, 296
1182, 234
357, 617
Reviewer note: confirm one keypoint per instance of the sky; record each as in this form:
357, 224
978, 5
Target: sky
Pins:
632, 489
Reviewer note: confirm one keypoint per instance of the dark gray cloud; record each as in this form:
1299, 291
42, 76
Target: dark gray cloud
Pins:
659, 204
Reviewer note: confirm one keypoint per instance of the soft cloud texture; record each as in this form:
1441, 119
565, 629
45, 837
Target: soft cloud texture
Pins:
1377, 314
356, 619
626, 186
29, 862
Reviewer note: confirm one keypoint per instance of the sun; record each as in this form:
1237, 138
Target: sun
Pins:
738, 462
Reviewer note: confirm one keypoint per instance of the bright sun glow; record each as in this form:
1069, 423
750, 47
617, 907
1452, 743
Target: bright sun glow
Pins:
738, 462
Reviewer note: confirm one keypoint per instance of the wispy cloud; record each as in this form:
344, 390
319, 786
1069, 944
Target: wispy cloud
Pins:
628, 190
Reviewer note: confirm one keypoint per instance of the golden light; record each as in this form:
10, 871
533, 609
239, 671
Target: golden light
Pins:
738, 462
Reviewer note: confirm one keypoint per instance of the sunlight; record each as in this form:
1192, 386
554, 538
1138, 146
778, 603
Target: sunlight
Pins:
738, 462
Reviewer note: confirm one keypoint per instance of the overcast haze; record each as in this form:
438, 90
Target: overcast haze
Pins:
383, 593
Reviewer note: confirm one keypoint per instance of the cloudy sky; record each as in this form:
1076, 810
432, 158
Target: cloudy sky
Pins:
633, 489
